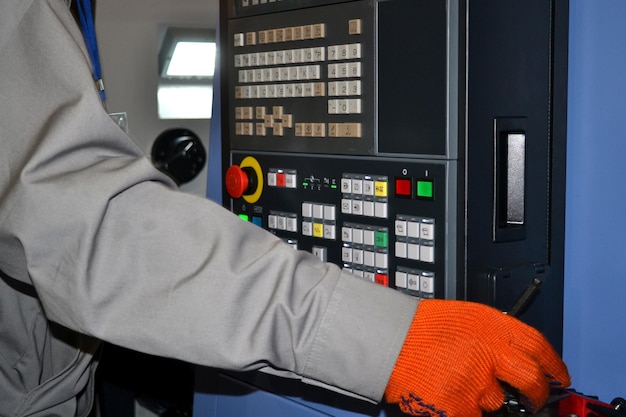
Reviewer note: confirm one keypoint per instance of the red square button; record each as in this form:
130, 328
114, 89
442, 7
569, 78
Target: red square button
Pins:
403, 187
281, 179
382, 279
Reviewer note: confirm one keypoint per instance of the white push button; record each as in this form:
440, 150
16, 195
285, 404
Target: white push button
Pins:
413, 282
413, 229
413, 251
307, 228
320, 252
346, 206
380, 210
427, 253
346, 185
346, 234
401, 279
290, 181
401, 250
271, 179
427, 231
427, 284
382, 260
357, 256
292, 224
401, 228
318, 211
329, 212
346, 254
307, 210
368, 187
330, 231
357, 236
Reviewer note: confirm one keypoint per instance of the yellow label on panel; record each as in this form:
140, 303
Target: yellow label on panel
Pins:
318, 230
380, 189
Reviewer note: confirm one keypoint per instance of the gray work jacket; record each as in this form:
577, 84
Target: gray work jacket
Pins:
95, 244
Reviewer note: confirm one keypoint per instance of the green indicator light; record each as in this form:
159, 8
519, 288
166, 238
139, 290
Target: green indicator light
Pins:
305, 184
381, 239
244, 217
424, 189
333, 186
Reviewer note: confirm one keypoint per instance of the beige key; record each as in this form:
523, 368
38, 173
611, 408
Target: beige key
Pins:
319, 31
278, 129
251, 38
288, 32
277, 112
354, 26
287, 120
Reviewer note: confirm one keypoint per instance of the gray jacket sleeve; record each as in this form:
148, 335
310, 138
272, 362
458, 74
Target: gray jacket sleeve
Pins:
114, 251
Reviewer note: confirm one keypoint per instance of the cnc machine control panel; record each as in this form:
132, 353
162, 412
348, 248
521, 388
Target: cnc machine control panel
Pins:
382, 219
336, 151
419, 144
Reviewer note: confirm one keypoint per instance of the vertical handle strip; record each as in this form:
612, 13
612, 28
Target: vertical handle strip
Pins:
509, 216
515, 177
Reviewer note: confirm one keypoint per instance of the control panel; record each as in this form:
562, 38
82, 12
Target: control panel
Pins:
324, 149
383, 219
416, 143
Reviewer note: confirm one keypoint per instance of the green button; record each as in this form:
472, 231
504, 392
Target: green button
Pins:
381, 239
424, 189
244, 217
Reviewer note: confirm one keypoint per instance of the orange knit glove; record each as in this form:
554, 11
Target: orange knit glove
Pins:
455, 354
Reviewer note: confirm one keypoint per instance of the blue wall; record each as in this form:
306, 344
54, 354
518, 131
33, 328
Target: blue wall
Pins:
595, 263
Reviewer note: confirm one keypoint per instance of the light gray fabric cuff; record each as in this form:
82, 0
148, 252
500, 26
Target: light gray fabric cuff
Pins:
358, 356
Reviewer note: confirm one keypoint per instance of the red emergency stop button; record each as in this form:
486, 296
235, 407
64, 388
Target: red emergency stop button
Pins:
236, 181
245, 180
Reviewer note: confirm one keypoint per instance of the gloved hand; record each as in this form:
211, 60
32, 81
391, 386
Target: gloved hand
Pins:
455, 354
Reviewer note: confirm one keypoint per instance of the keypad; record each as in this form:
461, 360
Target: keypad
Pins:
287, 71
415, 238
365, 195
318, 220
283, 221
415, 282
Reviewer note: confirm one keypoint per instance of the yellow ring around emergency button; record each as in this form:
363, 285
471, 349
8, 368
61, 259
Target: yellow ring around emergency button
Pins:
251, 162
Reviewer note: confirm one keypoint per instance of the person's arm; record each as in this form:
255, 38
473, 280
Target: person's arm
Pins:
114, 251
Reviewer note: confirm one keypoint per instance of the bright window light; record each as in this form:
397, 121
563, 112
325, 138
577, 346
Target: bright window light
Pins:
185, 101
192, 59
186, 68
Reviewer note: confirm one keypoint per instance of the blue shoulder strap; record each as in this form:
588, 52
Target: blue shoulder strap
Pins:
85, 15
